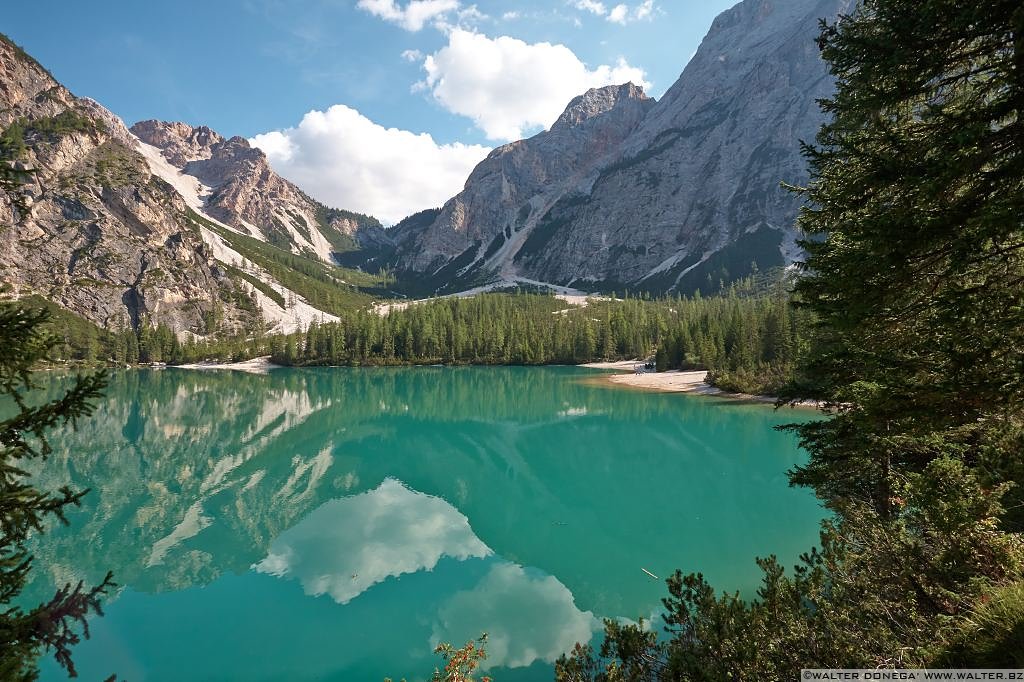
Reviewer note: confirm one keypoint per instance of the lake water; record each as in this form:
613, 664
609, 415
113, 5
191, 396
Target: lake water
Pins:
335, 524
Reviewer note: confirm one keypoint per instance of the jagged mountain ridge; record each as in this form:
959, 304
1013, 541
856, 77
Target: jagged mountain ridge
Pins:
621, 191
684, 197
239, 188
119, 236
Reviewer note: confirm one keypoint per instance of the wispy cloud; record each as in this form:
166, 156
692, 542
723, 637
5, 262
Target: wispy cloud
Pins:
621, 13
591, 6
412, 16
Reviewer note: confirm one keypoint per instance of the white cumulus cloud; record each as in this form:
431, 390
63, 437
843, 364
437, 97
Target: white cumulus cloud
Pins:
413, 15
619, 14
345, 160
528, 617
508, 86
590, 6
624, 14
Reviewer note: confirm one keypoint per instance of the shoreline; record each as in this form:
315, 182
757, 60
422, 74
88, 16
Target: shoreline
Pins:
675, 381
260, 365
621, 376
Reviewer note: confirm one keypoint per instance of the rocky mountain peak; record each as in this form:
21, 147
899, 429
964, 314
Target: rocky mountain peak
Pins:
241, 190
673, 195
112, 124
179, 142
598, 101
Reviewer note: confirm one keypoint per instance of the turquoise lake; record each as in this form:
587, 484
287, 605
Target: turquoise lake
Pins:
335, 524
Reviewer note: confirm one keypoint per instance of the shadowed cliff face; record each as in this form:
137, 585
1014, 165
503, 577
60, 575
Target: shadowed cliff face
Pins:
518, 182
689, 191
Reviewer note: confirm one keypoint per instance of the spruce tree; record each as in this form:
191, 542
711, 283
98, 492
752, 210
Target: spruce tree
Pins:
916, 255
25, 633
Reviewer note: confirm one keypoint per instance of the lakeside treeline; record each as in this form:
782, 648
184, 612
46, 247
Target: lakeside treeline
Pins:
750, 343
748, 338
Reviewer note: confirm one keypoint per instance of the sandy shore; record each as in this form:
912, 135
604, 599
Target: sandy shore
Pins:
621, 365
673, 382
254, 366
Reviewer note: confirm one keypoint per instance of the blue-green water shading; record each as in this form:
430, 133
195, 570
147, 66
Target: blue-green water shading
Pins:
335, 524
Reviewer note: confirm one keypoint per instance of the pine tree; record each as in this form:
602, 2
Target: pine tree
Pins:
24, 509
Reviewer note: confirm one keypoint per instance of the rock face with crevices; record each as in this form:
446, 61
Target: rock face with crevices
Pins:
518, 182
241, 190
669, 196
102, 235
119, 226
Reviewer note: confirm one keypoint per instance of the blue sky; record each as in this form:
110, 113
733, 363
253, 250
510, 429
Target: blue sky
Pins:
432, 84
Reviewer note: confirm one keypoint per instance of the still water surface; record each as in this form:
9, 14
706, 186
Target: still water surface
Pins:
335, 524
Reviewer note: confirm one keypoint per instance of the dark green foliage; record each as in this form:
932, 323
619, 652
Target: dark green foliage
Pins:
750, 253
67, 121
339, 241
12, 140
920, 189
463, 272
75, 337
114, 165
24, 510
992, 636
734, 335
78, 341
496, 243
300, 224
875, 594
22, 133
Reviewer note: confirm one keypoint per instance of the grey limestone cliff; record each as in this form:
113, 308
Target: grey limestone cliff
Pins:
673, 195
484, 226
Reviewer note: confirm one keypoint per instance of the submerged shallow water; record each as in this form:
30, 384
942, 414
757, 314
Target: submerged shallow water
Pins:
335, 524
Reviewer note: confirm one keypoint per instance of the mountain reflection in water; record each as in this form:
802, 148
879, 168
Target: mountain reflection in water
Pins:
338, 523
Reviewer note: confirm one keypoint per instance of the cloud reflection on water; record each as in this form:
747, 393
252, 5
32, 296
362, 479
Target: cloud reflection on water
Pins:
346, 546
527, 615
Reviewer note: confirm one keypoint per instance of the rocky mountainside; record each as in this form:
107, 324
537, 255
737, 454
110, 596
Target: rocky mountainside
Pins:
482, 228
235, 185
115, 233
668, 196
103, 236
